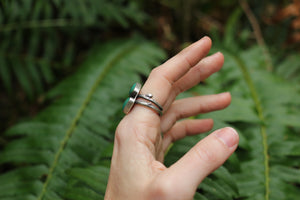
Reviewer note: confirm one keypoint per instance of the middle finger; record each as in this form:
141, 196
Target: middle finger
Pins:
193, 106
200, 72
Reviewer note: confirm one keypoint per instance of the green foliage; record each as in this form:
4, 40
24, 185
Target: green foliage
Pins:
265, 110
65, 151
77, 130
40, 37
87, 183
289, 68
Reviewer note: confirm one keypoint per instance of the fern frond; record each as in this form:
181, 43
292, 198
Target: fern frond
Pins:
77, 128
266, 165
87, 183
270, 136
290, 68
39, 36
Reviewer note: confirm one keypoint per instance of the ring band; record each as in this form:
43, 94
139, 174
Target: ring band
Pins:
134, 94
149, 97
149, 105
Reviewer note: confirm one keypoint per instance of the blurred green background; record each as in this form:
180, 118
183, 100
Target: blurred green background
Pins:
42, 42
47, 46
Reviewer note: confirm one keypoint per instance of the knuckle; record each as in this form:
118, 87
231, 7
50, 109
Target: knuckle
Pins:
178, 89
162, 74
125, 135
155, 72
120, 135
188, 62
205, 155
165, 190
162, 190
147, 139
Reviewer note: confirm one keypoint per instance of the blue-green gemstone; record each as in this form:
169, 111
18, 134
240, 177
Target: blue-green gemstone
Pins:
132, 89
125, 102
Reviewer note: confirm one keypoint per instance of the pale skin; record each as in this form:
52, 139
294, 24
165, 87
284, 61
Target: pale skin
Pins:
137, 169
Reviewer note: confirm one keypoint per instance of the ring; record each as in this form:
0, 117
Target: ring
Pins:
149, 97
149, 105
134, 94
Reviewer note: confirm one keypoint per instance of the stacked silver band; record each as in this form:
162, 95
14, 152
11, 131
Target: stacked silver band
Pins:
149, 105
149, 97
135, 97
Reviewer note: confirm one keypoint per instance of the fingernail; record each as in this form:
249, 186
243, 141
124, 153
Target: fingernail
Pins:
228, 136
216, 54
224, 93
205, 38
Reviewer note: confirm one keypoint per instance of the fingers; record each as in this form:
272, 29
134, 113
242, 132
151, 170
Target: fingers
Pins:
186, 128
206, 156
200, 72
180, 64
162, 78
193, 106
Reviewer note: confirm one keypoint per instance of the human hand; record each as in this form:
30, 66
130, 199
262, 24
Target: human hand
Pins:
137, 170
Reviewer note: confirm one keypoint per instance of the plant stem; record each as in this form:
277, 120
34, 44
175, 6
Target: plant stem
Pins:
257, 33
263, 131
39, 24
186, 22
79, 114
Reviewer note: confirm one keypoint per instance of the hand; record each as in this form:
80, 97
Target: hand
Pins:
137, 169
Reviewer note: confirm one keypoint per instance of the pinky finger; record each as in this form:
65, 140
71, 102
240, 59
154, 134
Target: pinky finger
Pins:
186, 128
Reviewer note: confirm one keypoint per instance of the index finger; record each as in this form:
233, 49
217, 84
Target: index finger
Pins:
161, 79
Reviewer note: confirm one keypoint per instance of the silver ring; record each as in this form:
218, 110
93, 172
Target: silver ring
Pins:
134, 94
149, 105
149, 97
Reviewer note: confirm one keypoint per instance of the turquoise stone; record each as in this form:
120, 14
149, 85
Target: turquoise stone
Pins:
125, 102
132, 89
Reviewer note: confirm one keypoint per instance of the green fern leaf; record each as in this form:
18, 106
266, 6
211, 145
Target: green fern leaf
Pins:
87, 183
290, 68
39, 36
78, 127
265, 111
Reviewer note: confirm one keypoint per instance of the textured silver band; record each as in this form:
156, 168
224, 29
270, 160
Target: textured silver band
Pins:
149, 105
149, 97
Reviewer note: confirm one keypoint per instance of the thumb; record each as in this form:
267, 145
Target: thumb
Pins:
206, 156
